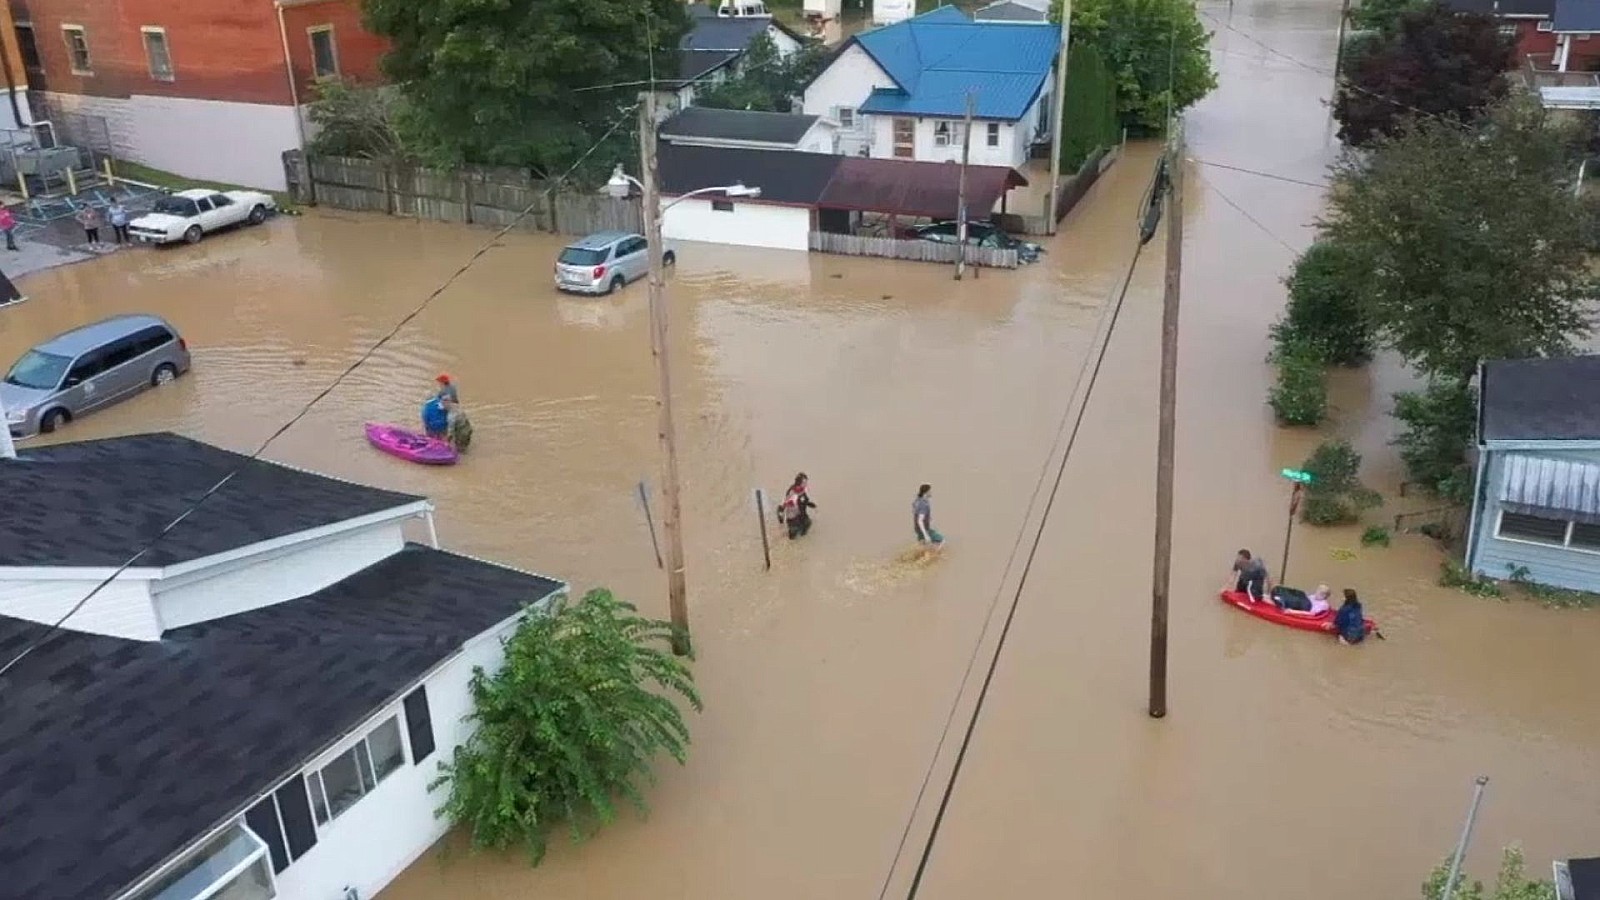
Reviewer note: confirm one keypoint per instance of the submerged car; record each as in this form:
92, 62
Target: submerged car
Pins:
980, 234
87, 368
605, 261
191, 215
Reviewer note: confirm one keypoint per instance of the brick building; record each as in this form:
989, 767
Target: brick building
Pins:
213, 89
1551, 34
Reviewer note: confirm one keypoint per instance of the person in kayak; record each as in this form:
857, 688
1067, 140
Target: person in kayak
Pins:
436, 418
1351, 622
1250, 576
1313, 604
795, 512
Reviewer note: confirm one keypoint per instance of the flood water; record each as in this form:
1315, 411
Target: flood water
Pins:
1287, 765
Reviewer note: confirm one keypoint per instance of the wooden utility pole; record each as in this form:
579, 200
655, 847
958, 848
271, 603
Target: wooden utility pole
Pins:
671, 523
1338, 51
1167, 433
1057, 125
961, 187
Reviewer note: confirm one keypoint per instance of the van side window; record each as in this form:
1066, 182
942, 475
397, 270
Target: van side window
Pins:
88, 366
152, 338
118, 352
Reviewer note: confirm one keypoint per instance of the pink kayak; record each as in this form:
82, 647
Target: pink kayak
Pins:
408, 445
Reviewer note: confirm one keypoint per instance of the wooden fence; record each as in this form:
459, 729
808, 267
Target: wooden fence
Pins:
473, 195
918, 251
1073, 187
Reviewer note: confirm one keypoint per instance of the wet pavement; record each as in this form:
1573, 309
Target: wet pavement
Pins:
1287, 764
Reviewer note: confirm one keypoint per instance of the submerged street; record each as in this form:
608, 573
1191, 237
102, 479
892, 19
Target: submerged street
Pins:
1287, 764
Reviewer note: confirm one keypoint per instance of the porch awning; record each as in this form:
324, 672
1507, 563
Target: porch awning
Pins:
1533, 485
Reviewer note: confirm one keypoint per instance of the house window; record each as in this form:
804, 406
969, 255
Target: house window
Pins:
722, 205
993, 137
1545, 25
847, 118
1533, 529
28, 45
77, 48
1584, 536
905, 138
324, 56
949, 134
351, 775
1509, 31
157, 54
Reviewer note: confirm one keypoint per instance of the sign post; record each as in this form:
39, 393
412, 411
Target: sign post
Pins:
1300, 479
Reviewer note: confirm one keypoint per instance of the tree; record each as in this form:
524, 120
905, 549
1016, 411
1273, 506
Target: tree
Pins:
1383, 15
1089, 118
1324, 309
510, 82
573, 721
766, 81
1335, 495
1149, 46
1472, 244
1512, 883
356, 120
1433, 62
1440, 423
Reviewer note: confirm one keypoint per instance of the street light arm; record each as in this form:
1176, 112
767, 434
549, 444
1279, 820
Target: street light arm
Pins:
737, 190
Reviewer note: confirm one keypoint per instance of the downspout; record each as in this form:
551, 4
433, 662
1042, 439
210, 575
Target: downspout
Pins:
1477, 480
288, 67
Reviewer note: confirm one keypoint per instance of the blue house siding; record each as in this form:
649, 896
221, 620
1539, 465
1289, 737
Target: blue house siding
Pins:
1546, 564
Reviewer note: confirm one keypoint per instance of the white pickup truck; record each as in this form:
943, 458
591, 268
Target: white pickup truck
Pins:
193, 214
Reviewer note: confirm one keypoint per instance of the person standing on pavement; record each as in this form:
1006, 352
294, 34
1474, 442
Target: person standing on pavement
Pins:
119, 221
89, 218
8, 224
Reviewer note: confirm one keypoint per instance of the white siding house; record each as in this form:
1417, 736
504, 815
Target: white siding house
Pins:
838, 92
748, 223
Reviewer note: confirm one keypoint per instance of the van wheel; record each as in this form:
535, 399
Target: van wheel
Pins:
54, 419
193, 235
258, 214
166, 373
616, 285
669, 258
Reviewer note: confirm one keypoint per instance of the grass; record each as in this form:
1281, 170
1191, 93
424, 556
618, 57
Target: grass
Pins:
137, 172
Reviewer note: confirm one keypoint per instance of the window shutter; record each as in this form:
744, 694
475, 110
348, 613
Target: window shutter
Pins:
296, 811
263, 820
419, 724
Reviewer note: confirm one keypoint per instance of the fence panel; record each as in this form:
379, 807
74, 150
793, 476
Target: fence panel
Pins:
585, 213
915, 251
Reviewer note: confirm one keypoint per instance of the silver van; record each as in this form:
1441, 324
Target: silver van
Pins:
604, 261
87, 368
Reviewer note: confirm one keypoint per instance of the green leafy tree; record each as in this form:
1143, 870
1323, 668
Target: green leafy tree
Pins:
569, 726
1158, 53
766, 81
1300, 395
1089, 119
1383, 15
508, 82
1434, 62
1324, 308
1512, 883
1335, 495
357, 120
1472, 244
1439, 424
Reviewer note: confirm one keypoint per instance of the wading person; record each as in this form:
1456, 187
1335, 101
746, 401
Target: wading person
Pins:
795, 511
1249, 576
446, 389
929, 539
460, 431
89, 218
436, 418
1350, 623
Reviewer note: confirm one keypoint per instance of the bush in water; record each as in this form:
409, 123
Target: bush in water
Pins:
1335, 495
1439, 425
1512, 883
1324, 309
1300, 396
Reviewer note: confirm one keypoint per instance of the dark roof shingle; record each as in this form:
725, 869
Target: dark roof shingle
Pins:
784, 176
1540, 399
738, 125
115, 754
95, 503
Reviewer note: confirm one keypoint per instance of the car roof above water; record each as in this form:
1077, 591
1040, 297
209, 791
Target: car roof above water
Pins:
600, 239
196, 193
88, 337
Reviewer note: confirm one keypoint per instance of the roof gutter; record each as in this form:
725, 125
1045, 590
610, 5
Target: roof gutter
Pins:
288, 65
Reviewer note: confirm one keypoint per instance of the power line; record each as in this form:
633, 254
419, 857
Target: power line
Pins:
488, 245
1258, 173
1246, 213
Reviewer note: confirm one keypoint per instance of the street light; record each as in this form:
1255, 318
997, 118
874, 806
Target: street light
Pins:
618, 186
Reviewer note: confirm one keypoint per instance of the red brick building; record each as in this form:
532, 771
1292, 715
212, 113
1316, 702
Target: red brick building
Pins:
198, 87
1575, 47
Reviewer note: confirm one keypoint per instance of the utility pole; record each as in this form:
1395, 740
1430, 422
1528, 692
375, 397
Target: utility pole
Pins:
961, 186
1338, 52
1167, 433
1057, 126
671, 522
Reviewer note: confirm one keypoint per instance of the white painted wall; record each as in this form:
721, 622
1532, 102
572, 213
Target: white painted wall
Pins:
212, 140
387, 830
10, 122
846, 83
291, 572
121, 609
821, 137
781, 40
749, 224
888, 12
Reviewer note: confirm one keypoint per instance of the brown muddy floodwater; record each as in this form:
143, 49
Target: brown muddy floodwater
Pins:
828, 681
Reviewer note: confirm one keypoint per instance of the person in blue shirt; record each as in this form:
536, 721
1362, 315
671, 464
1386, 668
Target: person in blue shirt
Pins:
436, 418
1351, 622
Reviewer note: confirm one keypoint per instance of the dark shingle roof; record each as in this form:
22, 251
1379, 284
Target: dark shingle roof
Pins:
714, 33
1577, 16
115, 754
1540, 399
1010, 11
1541, 8
95, 503
784, 176
695, 64
738, 125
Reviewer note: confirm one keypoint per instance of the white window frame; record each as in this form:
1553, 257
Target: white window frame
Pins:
333, 51
261, 854
1566, 537
992, 135
67, 28
1545, 25
313, 773
166, 47
847, 117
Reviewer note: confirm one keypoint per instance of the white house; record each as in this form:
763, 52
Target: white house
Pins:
902, 91
255, 707
714, 50
703, 126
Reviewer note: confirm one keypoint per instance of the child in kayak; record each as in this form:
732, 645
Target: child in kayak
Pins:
1351, 622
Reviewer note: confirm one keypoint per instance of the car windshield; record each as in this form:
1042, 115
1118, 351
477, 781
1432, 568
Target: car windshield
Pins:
38, 370
582, 256
175, 206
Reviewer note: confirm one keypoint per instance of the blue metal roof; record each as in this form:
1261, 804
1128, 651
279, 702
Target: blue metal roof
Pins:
937, 58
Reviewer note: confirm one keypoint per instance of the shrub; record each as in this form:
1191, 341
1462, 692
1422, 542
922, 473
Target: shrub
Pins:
1512, 883
1439, 423
1335, 495
1324, 308
573, 721
356, 120
1454, 575
1375, 536
1300, 396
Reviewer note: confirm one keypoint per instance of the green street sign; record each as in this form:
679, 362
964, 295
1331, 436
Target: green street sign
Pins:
1297, 475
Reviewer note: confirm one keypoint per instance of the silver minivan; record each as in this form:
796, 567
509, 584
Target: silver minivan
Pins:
604, 261
87, 368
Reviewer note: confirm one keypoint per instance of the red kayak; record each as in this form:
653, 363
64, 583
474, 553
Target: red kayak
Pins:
1266, 609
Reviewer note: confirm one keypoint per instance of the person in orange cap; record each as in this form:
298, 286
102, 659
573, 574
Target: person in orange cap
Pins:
447, 389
